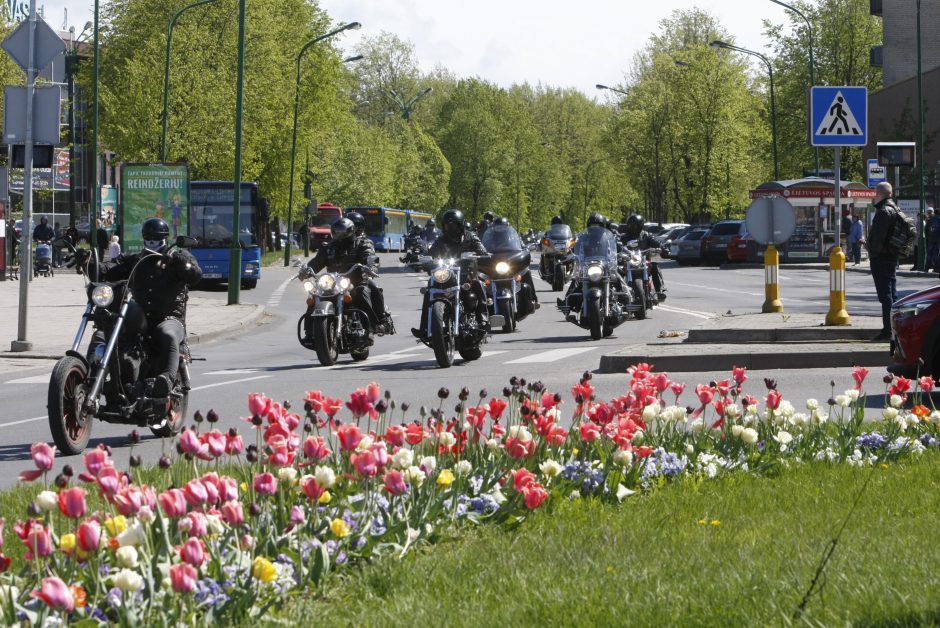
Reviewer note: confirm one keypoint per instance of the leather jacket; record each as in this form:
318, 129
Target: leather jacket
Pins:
161, 291
339, 257
880, 230
446, 246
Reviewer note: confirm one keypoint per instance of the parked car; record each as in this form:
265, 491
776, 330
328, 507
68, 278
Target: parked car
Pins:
915, 334
739, 245
715, 243
667, 237
687, 250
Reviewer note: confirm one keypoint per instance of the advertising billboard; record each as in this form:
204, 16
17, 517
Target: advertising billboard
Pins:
153, 190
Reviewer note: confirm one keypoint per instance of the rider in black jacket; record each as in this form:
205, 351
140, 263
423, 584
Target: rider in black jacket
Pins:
160, 286
455, 239
345, 250
635, 231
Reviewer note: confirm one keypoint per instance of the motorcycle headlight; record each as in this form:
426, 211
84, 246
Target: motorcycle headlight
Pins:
326, 283
595, 272
502, 268
344, 283
308, 286
442, 275
102, 296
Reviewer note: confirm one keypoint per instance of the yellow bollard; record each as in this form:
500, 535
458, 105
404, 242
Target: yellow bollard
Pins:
772, 301
837, 314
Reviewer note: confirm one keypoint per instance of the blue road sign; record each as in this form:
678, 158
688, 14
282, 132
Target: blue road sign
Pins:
839, 116
876, 173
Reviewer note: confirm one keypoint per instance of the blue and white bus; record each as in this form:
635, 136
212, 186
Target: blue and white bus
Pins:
211, 222
387, 227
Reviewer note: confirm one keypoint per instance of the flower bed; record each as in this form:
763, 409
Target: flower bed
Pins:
232, 531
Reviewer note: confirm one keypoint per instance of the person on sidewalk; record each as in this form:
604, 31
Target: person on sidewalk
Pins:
884, 261
856, 239
932, 235
114, 249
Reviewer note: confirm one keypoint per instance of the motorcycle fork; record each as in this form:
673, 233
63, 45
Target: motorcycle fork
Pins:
82, 326
92, 397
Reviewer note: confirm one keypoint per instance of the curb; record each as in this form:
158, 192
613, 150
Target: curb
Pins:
784, 335
724, 360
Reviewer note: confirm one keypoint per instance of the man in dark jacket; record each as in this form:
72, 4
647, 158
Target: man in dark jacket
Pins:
344, 251
43, 231
160, 286
884, 262
634, 231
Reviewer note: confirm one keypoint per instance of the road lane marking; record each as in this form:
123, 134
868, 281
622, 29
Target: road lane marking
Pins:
551, 356
11, 424
234, 381
36, 379
278, 294
487, 354
233, 372
711, 288
677, 310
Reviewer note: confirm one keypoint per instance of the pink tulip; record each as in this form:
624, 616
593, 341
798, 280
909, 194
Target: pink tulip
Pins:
43, 457
110, 481
195, 493
365, 464
773, 399
297, 515
183, 578
258, 405
191, 445
381, 455
395, 483
281, 456
373, 392
265, 484
129, 500
233, 513
395, 435
228, 489
89, 535
315, 448
312, 490
197, 524
193, 552
173, 502
96, 460
72, 502
234, 445
215, 441
35, 537
56, 595
212, 492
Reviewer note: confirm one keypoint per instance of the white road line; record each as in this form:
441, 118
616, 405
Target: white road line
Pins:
712, 288
234, 381
233, 372
676, 310
11, 424
278, 294
551, 356
36, 379
370, 360
487, 354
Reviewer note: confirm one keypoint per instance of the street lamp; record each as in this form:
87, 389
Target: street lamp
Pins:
922, 261
812, 65
773, 107
406, 107
613, 89
166, 72
353, 58
293, 145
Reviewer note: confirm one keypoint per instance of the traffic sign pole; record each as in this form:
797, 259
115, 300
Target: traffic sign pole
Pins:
837, 314
772, 302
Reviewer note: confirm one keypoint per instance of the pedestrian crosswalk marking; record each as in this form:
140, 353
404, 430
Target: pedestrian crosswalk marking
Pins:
278, 294
551, 356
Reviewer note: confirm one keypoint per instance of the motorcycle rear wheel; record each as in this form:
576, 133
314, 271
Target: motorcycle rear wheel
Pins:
595, 320
177, 415
324, 340
70, 430
442, 337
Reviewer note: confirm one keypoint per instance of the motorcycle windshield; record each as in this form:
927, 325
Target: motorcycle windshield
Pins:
502, 239
596, 244
559, 232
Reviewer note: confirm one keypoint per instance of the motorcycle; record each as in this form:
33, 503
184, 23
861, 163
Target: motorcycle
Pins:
636, 273
416, 248
593, 302
336, 320
509, 281
556, 263
42, 260
455, 291
112, 381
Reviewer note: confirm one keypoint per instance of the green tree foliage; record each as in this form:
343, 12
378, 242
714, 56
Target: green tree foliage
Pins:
844, 32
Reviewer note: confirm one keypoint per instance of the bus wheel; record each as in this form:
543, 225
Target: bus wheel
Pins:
249, 284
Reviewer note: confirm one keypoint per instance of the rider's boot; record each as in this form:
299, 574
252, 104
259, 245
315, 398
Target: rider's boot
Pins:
161, 387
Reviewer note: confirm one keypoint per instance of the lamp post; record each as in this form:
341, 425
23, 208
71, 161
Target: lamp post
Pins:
166, 72
235, 252
613, 89
406, 107
922, 261
71, 62
96, 196
293, 145
812, 64
773, 107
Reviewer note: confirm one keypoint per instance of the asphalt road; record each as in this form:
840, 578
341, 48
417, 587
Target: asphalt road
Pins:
269, 359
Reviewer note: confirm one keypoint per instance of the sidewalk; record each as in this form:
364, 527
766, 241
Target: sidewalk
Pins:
56, 305
863, 267
759, 341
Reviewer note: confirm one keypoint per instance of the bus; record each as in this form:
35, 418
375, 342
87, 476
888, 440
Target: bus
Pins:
387, 227
210, 222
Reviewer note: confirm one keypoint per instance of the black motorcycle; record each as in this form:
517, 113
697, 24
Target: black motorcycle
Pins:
112, 381
635, 269
594, 301
416, 249
455, 291
556, 262
509, 281
337, 319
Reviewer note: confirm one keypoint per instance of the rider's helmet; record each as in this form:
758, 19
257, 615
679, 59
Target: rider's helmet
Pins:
358, 220
595, 220
635, 224
154, 233
342, 229
453, 223
488, 217
429, 224
558, 220
500, 221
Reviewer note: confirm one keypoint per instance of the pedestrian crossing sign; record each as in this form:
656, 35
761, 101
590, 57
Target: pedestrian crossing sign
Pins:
839, 116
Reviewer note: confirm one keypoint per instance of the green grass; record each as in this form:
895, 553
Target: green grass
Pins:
650, 561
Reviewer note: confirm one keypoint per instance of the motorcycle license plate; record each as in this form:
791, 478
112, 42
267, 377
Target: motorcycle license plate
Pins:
211, 275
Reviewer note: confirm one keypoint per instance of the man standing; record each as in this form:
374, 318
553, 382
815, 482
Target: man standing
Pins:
856, 238
884, 261
932, 235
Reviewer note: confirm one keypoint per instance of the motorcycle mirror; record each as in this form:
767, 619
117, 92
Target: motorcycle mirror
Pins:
185, 242
633, 243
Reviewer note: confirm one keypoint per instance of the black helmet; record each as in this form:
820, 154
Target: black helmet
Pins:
358, 220
155, 229
429, 224
635, 223
500, 221
488, 217
595, 220
558, 220
453, 223
342, 229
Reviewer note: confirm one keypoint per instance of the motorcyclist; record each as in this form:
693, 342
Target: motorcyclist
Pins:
345, 250
558, 220
635, 231
160, 286
359, 221
599, 221
430, 230
455, 240
484, 224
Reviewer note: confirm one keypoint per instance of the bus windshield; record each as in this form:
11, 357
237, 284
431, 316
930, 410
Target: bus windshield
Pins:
212, 215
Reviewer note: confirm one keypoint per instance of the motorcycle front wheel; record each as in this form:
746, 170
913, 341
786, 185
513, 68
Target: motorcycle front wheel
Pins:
595, 320
324, 340
442, 336
70, 429
558, 279
640, 291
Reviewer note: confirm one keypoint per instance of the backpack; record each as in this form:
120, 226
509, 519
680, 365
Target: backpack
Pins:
900, 241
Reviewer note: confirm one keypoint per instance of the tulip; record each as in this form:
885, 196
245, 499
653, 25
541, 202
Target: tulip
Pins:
360, 405
534, 495
365, 464
189, 442
497, 407
263, 569
183, 578
234, 445
193, 552
115, 525
96, 460
43, 457
395, 483
395, 435
315, 448
196, 523
521, 478
56, 595
414, 433
89, 536
195, 493
462, 468
72, 502
349, 437
128, 501
37, 539
133, 535
128, 581
228, 489
259, 405
312, 489
265, 484
173, 502
550, 468
445, 478
773, 399
47, 500
110, 481
589, 431
297, 515
126, 556
339, 528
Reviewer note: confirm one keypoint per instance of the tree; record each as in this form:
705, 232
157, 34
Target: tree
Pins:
388, 74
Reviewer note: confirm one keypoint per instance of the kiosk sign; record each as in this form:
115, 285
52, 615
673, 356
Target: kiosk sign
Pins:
153, 191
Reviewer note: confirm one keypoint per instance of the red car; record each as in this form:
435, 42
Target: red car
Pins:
915, 334
320, 223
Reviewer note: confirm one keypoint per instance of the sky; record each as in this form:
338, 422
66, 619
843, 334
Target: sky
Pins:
559, 43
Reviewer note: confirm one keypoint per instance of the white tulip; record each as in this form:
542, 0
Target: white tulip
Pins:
736, 430
287, 474
364, 444
447, 439
550, 468
463, 468
896, 401
403, 458
47, 500
415, 475
811, 404
749, 435
891, 414
128, 581
623, 457
325, 476
133, 534
126, 556
520, 432
428, 463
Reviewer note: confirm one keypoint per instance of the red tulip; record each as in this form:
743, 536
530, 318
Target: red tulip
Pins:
773, 399
395, 435
35, 537
518, 448
414, 433
72, 502
259, 405
705, 393
534, 495
173, 502
497, 407
349, 436
233, 513
365, 464
56, 595
557, 436
859, 373
521, 478
193, 552
312, 490
183, 578
89, 535
395, 483
739, 374
589, 431
360, 405
265, 484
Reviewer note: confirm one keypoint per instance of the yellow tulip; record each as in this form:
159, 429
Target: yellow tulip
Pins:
116, 525
325, 498
445, 478
67, 542
263, 570
340, 528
